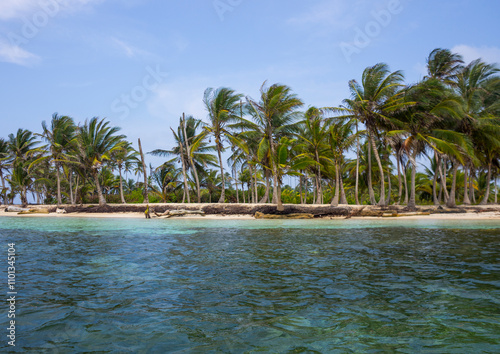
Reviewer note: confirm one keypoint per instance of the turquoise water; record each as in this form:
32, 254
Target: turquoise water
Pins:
236, 286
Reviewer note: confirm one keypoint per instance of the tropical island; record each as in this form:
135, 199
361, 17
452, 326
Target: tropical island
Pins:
390, 148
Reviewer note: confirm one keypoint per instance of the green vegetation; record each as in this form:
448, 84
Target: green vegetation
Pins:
367, 150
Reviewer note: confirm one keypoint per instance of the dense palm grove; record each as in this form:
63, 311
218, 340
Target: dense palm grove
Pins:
365, 151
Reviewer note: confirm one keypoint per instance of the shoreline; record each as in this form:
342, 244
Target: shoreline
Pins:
247, 211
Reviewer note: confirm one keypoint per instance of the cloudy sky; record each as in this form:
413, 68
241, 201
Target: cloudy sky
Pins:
142, 63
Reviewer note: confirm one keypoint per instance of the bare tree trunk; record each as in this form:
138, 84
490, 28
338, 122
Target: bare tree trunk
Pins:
466, 187
76, 188
305, 189
389, 188
146, 187
70, 180
405, 168
255, 186
190, 156
300, 190
451, 200
487, 194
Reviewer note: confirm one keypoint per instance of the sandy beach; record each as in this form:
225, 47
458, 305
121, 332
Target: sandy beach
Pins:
247, 211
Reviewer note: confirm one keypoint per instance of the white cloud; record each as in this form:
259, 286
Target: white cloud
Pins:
469, 53
16, 55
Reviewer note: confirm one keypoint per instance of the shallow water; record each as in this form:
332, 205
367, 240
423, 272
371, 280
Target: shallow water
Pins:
233, 286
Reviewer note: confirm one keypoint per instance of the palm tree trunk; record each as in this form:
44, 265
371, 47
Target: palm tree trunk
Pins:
370, 186
24, 198
70, 180
4, 192
186, 187
190, 155
250, 188
451, 200
379, 163
121, 185
277, 188
335, 200
443, 181
466, 187
76, 188
102, 200
405, 168
472, 191
434, 181
58, 178
305, 189
496, 190
400, 181
487, 194
222, 198
411, 203
300, 190
356, 187
255, 185
343, 199
236, 183
146, 187
265, 198
389, 187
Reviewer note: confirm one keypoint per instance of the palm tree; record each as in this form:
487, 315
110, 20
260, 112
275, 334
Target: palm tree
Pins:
478, 85
275, 114
5, 161
59, 138
124, 157
422, 126
97, 141
222, 106
313, 143
22, 149
443, 65
372, 103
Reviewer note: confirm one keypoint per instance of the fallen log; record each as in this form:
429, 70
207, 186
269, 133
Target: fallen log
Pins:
33, 211
395, 215
259, 215
172, 213
14, 209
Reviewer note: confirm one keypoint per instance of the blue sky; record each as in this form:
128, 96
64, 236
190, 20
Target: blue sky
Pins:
142, 63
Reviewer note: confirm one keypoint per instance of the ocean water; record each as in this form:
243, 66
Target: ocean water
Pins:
253, 286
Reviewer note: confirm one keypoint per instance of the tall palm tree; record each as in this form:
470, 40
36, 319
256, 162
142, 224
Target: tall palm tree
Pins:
223, 106
372, 103
443, 65
97, 141
276, 114
59, 137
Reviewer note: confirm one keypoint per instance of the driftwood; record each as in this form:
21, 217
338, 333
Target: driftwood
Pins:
395, 215
14, 209
259, 215
172, 213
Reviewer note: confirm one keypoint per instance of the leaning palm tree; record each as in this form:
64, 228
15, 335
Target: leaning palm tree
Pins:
59, 138
96, 142
223, 107
276, 114
372, 103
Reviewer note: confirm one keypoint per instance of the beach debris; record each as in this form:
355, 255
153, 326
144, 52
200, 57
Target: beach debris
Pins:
60, 211
259, 215
182, 212
396, 214
33, 211
14, 209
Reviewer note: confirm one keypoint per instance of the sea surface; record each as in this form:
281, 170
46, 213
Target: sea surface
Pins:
253, 286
